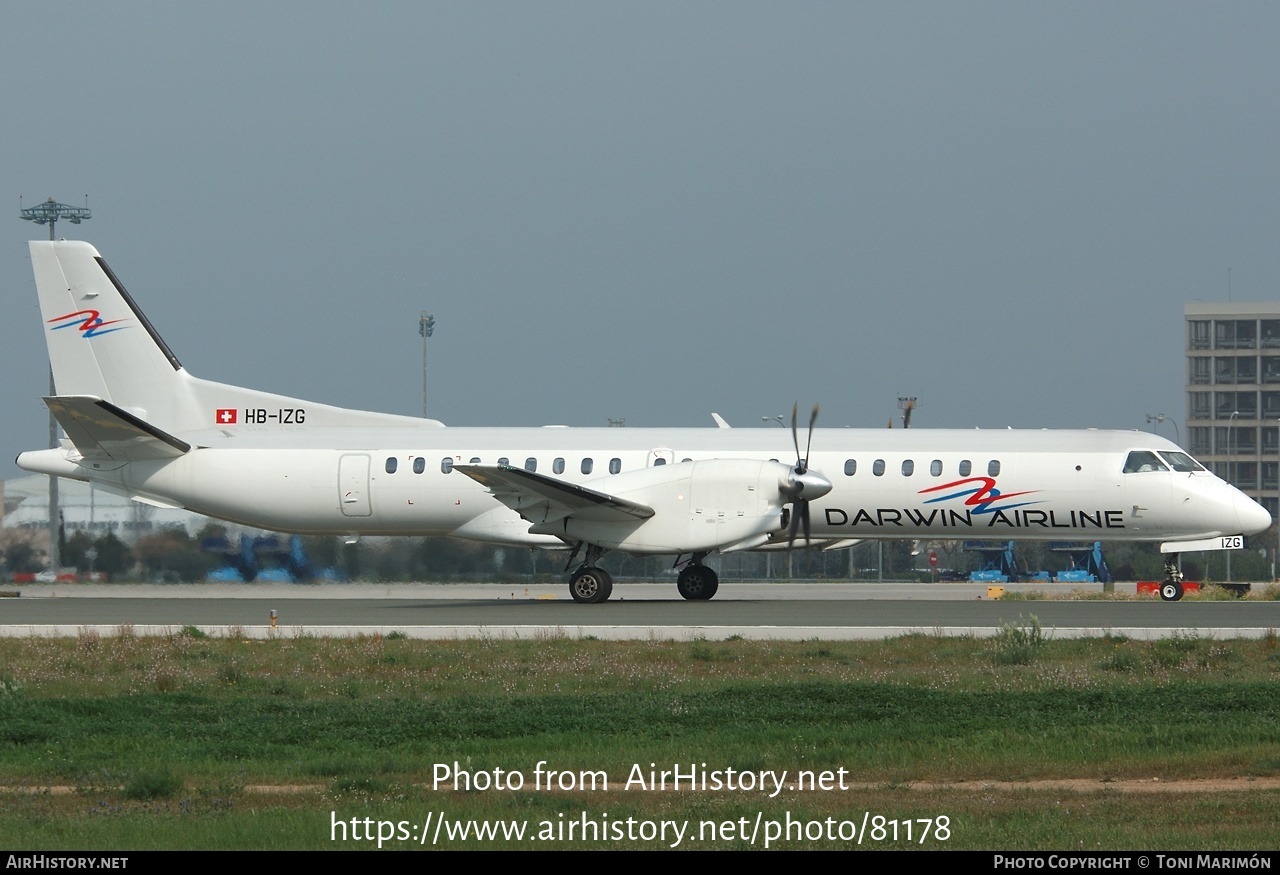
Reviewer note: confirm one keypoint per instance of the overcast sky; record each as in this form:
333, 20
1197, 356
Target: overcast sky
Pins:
654, 210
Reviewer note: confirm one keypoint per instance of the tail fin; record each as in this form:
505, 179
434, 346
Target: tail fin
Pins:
102, 346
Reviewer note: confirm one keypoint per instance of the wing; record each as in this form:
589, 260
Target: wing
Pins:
101, 430
542, 499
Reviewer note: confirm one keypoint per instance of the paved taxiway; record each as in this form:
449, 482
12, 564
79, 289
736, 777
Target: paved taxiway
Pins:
638, 610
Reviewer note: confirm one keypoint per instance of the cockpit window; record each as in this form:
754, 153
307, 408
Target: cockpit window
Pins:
1142, 461
1181, 462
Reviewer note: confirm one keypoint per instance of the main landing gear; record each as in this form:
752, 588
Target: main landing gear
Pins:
590, 584
1171, 589
697, 582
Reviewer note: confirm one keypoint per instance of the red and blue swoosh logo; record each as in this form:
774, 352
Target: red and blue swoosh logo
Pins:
89, 323
980, 493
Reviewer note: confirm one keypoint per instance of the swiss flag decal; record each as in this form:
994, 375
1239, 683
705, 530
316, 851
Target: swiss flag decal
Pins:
226, 416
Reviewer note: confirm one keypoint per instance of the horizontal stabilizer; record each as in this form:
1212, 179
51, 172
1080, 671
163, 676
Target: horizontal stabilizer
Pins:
539, 498
101, 430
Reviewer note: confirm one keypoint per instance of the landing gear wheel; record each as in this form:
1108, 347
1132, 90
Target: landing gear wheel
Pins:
1171, 591
590, 585
697, 583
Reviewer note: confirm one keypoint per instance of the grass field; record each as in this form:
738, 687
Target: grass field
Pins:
1020, 741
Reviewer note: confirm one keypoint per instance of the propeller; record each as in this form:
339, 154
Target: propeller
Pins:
802, 485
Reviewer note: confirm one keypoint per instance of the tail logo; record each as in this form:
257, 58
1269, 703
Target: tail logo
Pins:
88, 322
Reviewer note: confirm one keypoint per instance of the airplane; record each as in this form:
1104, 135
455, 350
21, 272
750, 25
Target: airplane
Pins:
140, 424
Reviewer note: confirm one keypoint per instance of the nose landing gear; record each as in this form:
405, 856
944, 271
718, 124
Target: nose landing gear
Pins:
1171, 589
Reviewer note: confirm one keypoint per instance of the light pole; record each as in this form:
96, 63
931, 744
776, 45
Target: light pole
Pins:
768, 556
48, 212
426, 327
1231, 442
1157, 418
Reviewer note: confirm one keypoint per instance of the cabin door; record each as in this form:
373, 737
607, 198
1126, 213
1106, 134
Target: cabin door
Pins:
353, 485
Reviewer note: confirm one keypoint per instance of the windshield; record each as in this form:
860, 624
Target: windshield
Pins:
1182, 462
1141, 461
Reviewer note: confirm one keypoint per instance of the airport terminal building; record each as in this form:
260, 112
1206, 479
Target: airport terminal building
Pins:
1233, 394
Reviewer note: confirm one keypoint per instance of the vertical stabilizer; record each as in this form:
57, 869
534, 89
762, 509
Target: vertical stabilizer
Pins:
100, 344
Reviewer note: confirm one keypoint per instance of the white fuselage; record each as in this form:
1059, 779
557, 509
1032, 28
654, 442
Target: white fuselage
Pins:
1000, 484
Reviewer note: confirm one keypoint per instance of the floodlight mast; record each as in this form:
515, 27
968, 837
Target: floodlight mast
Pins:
48, 212
426, 327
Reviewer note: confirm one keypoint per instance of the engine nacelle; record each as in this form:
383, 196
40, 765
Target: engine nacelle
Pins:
698, 507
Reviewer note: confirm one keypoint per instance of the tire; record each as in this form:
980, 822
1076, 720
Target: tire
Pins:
590, 585
697, 583
1171, 591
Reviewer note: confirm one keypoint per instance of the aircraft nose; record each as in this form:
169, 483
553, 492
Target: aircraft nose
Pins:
1253, 516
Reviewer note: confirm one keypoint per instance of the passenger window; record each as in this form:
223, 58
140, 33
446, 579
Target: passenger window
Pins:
504, 461
419, 464
877, 467
993, 468
391, 464
587, 465
850, 467
475, 460
1142, 461
935, 468
686, 459
659, 461
531, 464
966, 468
908, 468
557, 466
446, 464
615, 465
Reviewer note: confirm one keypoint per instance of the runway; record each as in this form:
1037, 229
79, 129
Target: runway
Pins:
637, 611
